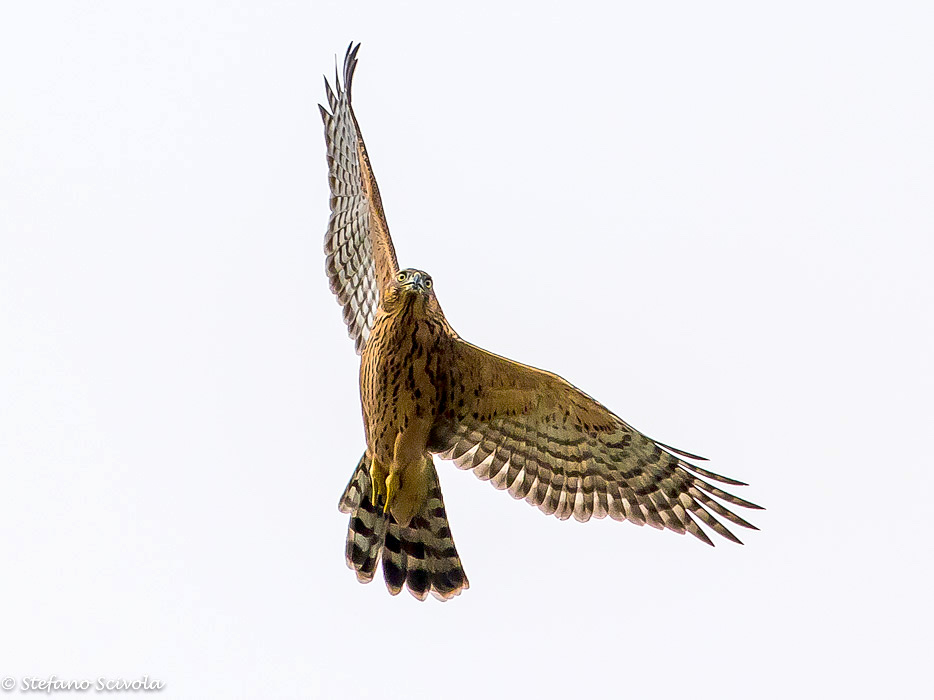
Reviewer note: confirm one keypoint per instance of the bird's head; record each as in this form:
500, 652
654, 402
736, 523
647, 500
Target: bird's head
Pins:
411, 281
411, 286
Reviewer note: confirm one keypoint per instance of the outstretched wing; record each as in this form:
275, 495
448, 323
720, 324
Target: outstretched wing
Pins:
547, 442
360, 258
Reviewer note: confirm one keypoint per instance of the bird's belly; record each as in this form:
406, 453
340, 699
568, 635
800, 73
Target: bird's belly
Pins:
398, 397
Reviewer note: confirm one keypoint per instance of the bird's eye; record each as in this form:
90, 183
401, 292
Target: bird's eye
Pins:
428, 284
401, 277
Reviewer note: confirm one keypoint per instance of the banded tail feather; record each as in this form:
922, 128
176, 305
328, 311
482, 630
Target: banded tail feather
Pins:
420, 556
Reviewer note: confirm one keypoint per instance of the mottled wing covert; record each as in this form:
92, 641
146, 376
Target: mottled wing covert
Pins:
533, 433
360, 257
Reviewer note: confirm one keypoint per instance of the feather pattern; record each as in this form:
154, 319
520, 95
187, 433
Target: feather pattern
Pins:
420, 556
562, 451
360, 258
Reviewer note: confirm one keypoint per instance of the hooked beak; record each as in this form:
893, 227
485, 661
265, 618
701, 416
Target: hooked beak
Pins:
417, 282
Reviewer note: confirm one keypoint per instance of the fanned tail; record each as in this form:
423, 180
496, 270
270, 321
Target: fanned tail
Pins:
420, 556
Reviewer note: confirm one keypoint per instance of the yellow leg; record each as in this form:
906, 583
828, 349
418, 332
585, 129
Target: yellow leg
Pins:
392, 488
378, 481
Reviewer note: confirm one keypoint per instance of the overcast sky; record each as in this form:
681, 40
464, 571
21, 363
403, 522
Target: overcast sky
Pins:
716, 218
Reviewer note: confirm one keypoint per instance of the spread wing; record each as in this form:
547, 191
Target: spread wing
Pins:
547, 442
360, 257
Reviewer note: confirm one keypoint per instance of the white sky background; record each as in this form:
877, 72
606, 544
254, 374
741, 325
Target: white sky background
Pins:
715, 218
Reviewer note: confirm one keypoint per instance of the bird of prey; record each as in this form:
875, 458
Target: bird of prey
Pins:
425, 392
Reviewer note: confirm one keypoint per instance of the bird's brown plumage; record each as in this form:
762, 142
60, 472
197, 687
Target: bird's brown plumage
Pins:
400, 383
425, 391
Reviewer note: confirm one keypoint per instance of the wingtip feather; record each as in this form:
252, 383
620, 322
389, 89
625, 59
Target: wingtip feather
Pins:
680, 452
706, 473
350, 65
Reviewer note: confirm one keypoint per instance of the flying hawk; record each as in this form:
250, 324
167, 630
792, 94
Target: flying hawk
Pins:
427, 392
